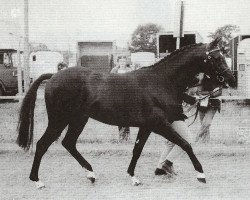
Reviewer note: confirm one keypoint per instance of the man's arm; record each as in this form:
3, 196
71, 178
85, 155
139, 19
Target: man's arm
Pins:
217, 93
189, 99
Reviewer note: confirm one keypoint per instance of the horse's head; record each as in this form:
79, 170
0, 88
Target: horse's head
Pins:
215, 65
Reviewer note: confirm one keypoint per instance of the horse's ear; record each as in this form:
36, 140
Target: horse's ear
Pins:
215, 42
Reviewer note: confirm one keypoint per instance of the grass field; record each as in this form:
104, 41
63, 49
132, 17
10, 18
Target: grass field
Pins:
226, 166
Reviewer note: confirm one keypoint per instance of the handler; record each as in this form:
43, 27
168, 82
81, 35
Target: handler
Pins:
207, 110
208, 107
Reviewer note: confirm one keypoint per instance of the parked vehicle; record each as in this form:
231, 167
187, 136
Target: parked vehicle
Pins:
142, 59
8, 73
96, 55
166, 41
42, 62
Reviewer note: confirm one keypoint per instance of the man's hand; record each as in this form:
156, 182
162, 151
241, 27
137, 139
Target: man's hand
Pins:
199, 98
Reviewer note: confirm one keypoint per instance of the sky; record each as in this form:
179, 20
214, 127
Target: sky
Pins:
60, 23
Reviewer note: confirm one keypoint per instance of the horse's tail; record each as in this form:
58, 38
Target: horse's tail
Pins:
26, 117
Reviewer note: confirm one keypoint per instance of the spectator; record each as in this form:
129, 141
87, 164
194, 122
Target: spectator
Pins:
122, 67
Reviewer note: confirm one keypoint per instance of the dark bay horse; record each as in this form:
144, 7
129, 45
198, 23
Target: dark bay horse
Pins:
149, 98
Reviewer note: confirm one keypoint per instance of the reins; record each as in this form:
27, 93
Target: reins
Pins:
196, 114
219, 88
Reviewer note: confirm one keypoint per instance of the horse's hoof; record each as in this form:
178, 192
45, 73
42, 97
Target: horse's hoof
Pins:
136, 181
201, 177
91, 179
202, 180
91, 176
39, 184
137, 184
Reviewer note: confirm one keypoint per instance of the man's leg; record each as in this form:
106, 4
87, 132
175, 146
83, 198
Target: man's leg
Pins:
173, 151
204, 133
183, 130
160, 170
124, 133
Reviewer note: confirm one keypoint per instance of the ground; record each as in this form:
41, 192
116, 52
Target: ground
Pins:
226, 166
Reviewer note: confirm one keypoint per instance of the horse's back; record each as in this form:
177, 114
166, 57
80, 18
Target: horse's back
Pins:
113, 99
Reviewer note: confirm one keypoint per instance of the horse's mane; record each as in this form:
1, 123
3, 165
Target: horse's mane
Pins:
175, 52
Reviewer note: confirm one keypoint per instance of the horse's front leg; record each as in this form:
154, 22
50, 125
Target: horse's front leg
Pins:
141, 139
169, 133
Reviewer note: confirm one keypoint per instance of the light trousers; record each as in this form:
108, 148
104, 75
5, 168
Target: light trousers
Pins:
173, 151
206, 118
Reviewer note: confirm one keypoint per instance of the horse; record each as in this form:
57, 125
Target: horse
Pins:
149, 98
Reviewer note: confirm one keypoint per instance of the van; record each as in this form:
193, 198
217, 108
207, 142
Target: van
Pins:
142, 59
42, 62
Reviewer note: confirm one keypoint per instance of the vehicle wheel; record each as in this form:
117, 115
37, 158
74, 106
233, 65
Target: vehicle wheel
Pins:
1, 94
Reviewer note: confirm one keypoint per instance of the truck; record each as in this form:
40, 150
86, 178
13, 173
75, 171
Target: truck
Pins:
243, 67
96, 55
166, 42
8, 73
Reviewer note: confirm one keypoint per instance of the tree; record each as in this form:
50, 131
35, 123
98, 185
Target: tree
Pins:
226, 34
34, 47
144, 38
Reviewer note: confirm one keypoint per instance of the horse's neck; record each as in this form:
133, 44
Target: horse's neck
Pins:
180, 74
180, 68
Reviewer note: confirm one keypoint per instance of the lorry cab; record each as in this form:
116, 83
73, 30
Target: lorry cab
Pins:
8, 73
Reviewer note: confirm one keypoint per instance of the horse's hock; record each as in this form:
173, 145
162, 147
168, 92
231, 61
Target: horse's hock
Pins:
232, 124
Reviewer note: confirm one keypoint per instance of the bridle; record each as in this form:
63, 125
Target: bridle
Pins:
209, 59
219, 75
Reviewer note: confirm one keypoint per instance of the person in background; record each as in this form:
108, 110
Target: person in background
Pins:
122, 67
204, 87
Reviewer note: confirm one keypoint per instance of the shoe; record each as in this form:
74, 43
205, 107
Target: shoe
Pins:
159, 172
168, 167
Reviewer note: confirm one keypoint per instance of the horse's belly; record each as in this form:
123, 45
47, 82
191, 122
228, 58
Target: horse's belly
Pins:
133, 118
118, 119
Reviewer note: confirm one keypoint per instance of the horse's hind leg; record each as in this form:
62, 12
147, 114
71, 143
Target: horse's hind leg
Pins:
52, 132
76, 126
169, 133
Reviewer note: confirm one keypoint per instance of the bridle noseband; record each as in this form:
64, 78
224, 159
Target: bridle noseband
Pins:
209, 58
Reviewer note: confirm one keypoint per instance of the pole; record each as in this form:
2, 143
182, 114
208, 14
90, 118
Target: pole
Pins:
158, 46
19, 70
178, 39
26, 46
180, 32
181, 19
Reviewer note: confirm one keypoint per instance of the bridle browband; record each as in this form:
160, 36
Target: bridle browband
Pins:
208, 57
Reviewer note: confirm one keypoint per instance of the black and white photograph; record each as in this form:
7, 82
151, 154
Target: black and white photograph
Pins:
124, 99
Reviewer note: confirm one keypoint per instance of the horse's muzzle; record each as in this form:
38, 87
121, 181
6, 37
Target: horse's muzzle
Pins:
229, 80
